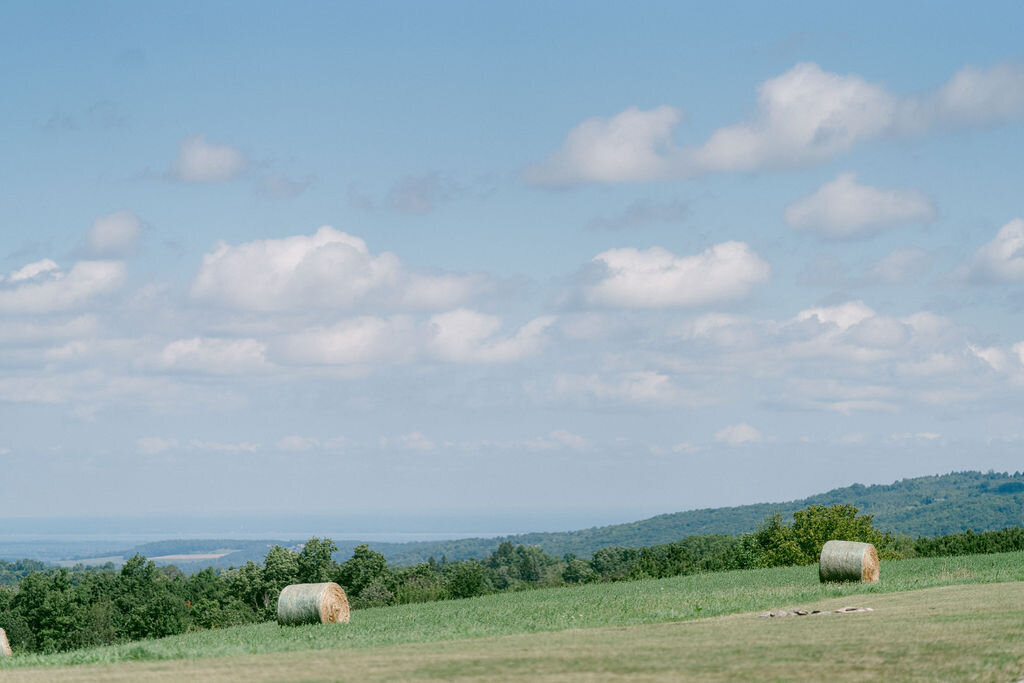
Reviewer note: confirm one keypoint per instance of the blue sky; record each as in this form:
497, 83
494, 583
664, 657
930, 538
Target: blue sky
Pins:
325, 258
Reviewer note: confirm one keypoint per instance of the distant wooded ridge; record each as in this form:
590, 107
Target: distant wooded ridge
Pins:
921, 506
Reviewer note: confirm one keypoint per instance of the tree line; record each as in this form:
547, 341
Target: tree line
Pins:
59, 609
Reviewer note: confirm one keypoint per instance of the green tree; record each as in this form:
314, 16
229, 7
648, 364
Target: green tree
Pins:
466, 579
150, 606
614, 563
818, 524
419, 583
315, 564
577, 570
363, 568
247, 584
376, 594
775, 545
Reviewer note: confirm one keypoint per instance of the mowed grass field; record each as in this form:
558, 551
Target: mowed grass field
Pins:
939, 619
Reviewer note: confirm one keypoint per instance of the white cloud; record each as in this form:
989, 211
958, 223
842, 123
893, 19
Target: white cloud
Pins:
976, 96
879, 332
200, 161
844, 315
634, 145
630, 387
735, 435
80, 326
803, 116
721, 330
328, 270
1002, 259
215, 355
33, 270
656, 278
851, 331
114, 234
359, 340
842, 209
994, 357
43, 288
153, 445
465, 336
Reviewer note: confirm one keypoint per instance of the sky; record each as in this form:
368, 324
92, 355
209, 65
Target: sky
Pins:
599, 260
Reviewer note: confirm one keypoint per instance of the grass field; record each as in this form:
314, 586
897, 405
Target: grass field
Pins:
968, 623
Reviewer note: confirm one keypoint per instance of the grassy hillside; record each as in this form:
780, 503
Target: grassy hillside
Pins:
970, 632
616, 605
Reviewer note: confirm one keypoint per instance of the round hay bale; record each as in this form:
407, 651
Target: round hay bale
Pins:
848, 561
5, 647
312, 603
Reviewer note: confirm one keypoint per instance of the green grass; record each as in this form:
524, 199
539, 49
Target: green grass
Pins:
561, 609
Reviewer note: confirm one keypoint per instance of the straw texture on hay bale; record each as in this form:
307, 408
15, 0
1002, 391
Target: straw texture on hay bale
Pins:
312, 603
848, 561
5, 647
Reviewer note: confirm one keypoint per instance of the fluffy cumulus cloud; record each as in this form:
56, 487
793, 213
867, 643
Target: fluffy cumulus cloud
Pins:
115, 234
1002, 259
853, 332
214, 355
635, 145
44, 287
975, 96
804, 116
846, 358
364, 339
327, 270
465, 336
842, 316
199, 161
657, 278
844, 209
457, 336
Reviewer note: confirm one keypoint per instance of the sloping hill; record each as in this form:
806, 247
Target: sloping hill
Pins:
923, 506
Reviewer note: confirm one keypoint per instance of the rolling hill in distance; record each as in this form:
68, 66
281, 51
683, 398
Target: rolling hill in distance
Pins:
921, 506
